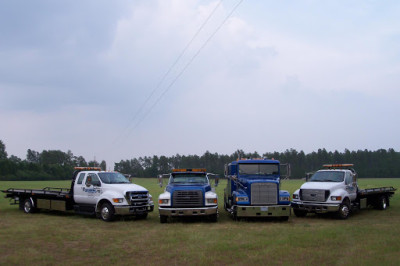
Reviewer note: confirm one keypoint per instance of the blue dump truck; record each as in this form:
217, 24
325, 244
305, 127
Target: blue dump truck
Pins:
253, 189
188, 193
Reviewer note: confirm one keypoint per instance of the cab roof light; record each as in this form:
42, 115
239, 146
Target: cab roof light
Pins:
189, 170
338, 165
88, 168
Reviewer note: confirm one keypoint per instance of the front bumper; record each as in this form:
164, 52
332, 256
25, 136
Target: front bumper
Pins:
133, 210
203, 211
263, 211
315, 207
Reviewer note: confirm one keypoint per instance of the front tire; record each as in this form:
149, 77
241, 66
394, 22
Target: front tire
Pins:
163, 219
299, 213
344, 210
107, 212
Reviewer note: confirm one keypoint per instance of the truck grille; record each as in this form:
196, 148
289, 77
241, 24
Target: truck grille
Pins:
314, 194
138, 198
187, 198
264, 193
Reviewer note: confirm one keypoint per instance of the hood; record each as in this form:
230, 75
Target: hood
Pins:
174, 187
322, 185
123, 188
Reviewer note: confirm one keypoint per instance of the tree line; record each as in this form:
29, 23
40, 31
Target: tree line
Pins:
375, 164
45, 165
58, 165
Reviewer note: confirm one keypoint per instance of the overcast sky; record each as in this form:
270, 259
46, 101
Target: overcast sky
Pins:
115, 80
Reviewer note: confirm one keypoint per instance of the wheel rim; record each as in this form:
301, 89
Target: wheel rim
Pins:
345, 211
384, 203
105, 213
27, 206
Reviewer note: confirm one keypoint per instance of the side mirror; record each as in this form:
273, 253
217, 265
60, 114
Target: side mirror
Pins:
96, 184
160, 180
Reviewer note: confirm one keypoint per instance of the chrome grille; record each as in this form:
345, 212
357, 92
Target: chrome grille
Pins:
138, 198
264, 193
187, 198
314, 194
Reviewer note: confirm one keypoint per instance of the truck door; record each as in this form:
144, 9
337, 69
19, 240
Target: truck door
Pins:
87, 192
351, 187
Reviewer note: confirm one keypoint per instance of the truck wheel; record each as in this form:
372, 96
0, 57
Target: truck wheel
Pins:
284, 218
344, 210
141, 216
382, 203
107, 212
213, 218
28, 207
163, 219
299, 213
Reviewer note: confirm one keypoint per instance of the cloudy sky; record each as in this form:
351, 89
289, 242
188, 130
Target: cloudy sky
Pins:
115, 80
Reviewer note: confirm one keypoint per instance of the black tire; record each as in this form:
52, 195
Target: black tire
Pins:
382, 203
213, 218
300, 213
284, 218
28, 206
163, 219
107, 212
142, 216
344, 210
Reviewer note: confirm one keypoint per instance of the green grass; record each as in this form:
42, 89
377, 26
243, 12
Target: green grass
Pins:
368, 237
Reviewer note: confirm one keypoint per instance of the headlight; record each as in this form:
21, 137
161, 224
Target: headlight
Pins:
241, 198
118, 200
163, 201
212, 201
336, 198
295, 196
287, 198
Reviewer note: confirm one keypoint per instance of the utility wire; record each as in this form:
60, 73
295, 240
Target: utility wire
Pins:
185, 67
169, 70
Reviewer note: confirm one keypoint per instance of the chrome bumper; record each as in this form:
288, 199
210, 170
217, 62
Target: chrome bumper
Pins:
263, 211
315, 207
188, 211
132, 210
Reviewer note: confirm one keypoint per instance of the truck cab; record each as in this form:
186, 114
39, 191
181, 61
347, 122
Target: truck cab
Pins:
108, 194
188, 193
331, 189
253, 189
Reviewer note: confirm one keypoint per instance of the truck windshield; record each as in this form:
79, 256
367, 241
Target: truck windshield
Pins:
258, 169
328, 176
188, 178
113, 178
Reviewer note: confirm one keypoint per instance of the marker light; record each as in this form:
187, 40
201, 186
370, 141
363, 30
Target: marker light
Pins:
190, 170
118, 200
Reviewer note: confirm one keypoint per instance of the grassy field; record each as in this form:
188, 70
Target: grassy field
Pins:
368, 237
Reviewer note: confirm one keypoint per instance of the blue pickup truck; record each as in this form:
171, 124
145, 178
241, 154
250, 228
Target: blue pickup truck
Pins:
188, 193
253, 189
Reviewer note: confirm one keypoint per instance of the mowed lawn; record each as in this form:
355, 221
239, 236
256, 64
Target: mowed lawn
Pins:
368, 237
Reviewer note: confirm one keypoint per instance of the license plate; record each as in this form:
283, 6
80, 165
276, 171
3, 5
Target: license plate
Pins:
264, 209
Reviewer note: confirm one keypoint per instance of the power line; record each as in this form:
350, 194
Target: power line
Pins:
169, 70
186, 66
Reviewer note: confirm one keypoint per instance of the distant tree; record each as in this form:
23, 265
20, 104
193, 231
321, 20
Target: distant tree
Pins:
103, 165
32, 156
3, 153
15, 159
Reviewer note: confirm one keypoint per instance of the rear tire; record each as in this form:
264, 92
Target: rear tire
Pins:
344, 210
382, 203
299, 213
142, 216
28, 206
107, 212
